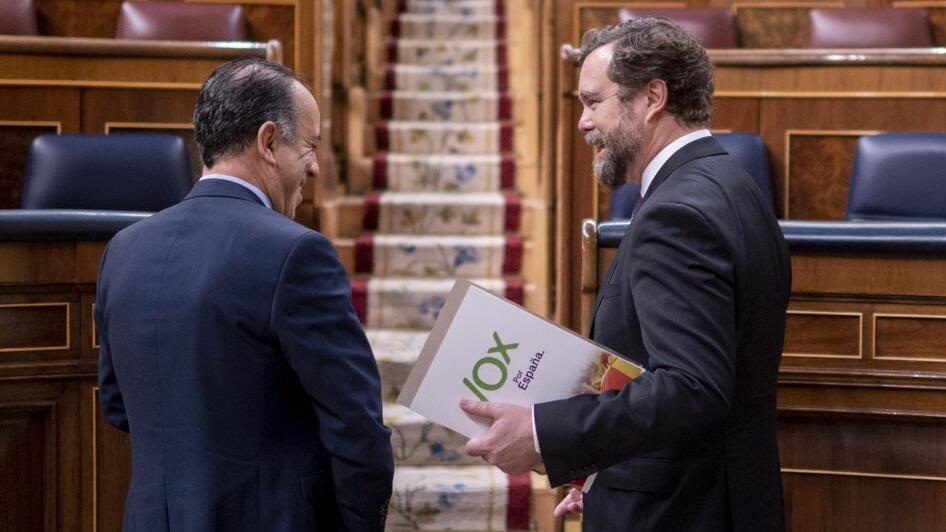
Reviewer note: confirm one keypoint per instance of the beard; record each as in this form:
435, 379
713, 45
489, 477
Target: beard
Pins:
617, 151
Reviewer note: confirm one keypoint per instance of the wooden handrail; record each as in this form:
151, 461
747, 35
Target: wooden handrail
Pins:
84, 46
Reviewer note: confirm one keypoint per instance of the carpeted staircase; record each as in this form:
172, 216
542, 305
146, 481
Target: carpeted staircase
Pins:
441, 203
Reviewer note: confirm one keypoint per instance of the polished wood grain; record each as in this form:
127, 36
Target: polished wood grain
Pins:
111, 469
906, 337
15, 140
823, 334
34, 326
23, 432
764, 27
819, 175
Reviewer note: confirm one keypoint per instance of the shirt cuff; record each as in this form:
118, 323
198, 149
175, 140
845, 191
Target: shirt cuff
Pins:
535, 434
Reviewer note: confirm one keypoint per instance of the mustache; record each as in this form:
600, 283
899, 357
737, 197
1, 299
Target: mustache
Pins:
595, 138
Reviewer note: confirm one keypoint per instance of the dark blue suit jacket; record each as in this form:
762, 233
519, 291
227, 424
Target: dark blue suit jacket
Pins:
231, 353
697, 294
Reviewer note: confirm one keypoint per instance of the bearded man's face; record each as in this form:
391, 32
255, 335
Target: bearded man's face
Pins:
617, 149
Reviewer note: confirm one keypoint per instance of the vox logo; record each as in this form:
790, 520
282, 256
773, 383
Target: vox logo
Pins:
478, 385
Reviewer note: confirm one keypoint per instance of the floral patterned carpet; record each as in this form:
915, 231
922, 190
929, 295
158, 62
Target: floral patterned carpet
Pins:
444, 205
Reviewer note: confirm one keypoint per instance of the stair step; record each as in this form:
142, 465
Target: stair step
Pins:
448, 26
462, 78
418, 442
450, 138
395, 352
430, 214
458, 7
449, 52
430, 106
459, 498
443, 213
406, 303
434, 256
400, 172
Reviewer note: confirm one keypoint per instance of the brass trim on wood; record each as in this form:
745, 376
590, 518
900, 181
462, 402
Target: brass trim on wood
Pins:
34, 123
147, 125
894, 315
789, 133
95, 465
95, 337
65, 347
833, 473
860, 334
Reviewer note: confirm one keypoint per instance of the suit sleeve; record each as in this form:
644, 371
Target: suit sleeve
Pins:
681, 277
321, 337
110, 396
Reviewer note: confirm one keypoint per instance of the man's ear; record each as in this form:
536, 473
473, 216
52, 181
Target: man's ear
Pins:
266, 138
655, 97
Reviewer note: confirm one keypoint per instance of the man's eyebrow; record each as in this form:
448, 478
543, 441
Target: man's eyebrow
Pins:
315, 139
587, 95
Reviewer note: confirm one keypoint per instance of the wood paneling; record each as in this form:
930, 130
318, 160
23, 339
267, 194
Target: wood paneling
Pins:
71, 18
15, 140
818, 174
823, 334
820, 170
906, 337
24, 447
821, 501
111, 464
266, 22
34, 327
765, 27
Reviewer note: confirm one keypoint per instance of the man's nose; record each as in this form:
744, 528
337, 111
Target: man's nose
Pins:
584, 122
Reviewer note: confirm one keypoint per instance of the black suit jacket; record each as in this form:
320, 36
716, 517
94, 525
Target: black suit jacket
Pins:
231, 352
697, 295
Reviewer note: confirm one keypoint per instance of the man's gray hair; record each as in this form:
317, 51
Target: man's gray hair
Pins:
651, 48
238, 98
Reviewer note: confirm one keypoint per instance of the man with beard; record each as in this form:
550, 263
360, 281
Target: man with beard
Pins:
697, 295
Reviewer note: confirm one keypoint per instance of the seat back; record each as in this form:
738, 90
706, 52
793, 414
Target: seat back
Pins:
134, 172
899, 176
19, 18
749, 151
715, 27
179, 21
867, 27
623, 200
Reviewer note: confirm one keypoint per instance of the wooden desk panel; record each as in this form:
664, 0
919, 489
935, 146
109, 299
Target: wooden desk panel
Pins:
63, 467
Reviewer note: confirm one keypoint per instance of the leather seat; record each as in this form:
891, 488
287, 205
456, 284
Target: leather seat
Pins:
870, 28
134, 172
19, 18
899, 176
748, 150
715, 27
179, 21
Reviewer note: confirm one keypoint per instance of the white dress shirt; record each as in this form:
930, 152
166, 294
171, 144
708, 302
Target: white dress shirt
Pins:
259, 193
650, 172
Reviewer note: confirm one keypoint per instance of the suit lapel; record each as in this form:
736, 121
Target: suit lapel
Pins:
703, 147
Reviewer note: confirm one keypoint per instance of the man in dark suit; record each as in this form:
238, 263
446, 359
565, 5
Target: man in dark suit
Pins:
229, 347
697, 295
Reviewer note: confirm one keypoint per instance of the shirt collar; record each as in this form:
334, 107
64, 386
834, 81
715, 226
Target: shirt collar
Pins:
259, 193
650, 171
